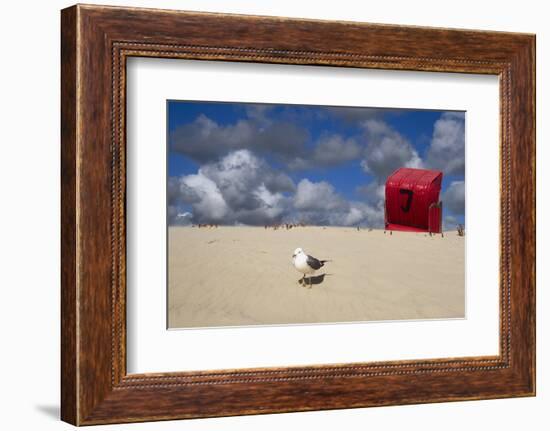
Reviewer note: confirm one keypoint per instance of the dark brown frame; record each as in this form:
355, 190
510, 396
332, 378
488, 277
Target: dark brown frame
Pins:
95, 43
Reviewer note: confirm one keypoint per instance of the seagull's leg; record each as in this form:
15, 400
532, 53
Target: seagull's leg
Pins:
301, 280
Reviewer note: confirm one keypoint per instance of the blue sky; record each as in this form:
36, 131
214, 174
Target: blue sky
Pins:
232, 163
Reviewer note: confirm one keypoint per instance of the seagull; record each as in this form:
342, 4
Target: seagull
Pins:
306, 264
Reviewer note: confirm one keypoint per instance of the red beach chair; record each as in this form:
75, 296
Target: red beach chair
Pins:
412, 201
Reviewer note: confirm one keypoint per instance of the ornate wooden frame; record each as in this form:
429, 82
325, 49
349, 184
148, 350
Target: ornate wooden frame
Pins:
95, 43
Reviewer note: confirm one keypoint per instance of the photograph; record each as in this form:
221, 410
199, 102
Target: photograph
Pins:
282, 214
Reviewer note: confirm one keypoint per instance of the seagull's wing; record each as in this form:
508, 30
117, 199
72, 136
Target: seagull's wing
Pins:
314, 263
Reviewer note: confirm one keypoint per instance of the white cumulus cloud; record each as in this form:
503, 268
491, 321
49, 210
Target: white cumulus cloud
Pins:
239, 188
319, 203
454, 197
387, 150
447, 146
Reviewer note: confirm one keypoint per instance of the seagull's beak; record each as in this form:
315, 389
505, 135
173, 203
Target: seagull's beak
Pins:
293, 255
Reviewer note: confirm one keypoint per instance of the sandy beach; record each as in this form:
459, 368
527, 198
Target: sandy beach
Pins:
239, 276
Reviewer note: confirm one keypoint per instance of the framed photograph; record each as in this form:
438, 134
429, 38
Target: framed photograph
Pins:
264, 214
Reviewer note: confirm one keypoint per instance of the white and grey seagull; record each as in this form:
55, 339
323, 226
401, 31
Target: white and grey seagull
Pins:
306, 264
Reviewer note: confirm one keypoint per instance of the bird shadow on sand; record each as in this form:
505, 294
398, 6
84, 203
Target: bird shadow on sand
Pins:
314, 280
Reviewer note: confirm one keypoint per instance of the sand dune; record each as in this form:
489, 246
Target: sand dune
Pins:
236, 276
